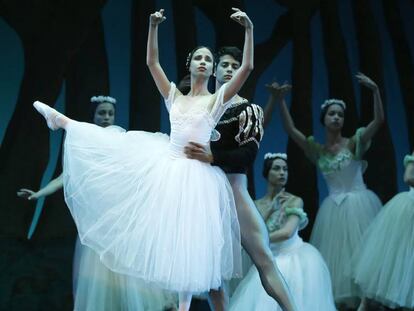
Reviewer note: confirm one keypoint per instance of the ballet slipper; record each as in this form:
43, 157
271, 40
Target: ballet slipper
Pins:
49, 114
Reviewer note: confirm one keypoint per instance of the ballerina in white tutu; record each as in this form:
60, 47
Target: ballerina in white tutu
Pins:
385, 259
350, 207
95, 287
185, 238
300, 263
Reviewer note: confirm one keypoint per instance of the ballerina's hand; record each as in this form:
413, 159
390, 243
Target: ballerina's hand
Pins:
278, 91
241, 17
157, 17
283, 198
26, 194
365, 81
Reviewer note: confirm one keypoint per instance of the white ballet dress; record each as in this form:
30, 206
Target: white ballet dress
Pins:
146, 209
97, 288
344, 215
300, 263
384, 268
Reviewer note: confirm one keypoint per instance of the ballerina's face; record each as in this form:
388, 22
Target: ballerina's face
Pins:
104, 114
334, 117
202, 63
409, 174
226, 68
278, 174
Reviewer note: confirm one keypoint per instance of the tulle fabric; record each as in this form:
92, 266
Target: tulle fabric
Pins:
305, 273
385, 259
96, 288
337, 231
146, 209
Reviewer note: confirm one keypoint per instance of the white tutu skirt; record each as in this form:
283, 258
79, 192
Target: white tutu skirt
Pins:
385, 260
337, 231
96, 288
149, 212
305, 273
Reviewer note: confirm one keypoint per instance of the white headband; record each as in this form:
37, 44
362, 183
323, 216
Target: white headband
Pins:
103, 99
275, 156
332, 101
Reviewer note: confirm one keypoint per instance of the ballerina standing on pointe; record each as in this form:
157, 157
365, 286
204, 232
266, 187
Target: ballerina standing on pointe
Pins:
350, 207
187, 239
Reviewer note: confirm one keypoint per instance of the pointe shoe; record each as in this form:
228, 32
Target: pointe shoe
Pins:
48, 113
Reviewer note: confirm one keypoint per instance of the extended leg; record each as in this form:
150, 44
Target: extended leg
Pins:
54, 119
255, 241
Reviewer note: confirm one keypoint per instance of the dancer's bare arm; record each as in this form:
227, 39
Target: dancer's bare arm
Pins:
270, 105
373, 127
158, 74
53, 186
293, 220
287, 231
288, 124
236, 83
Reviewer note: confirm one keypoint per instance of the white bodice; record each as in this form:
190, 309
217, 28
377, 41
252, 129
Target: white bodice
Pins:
344, 180
194, 125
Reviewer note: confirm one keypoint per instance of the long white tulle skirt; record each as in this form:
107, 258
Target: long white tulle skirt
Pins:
149, 212
385, 259
337, 231
96, 288
305, 273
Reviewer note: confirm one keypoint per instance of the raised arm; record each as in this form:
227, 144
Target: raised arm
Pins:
53, 186
373, 127
270, 105
287, 121
158, 74
236, 83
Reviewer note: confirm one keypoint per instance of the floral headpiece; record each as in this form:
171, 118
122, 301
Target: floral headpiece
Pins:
275, 156
103, 99
332, 101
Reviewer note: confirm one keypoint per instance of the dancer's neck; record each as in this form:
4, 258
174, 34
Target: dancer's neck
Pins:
333, 137
198, 87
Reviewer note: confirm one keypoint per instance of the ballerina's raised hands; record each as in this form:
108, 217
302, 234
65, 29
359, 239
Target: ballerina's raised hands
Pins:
241, 17
366, 81
373, 127
157, 17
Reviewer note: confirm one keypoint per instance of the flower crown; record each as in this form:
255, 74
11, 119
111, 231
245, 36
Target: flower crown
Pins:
103, 99
332, 101
275, 156
408, 159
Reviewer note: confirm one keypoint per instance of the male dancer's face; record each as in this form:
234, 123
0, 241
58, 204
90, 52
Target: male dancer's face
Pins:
226, 68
